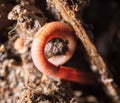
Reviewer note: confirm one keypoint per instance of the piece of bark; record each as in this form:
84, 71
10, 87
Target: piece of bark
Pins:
97, 63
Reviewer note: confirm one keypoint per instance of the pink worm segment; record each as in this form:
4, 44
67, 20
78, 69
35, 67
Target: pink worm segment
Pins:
65, 32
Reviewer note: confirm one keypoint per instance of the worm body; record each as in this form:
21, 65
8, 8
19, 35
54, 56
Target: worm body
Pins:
50, 67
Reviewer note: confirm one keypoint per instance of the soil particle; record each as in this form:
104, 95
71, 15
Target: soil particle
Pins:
56, 47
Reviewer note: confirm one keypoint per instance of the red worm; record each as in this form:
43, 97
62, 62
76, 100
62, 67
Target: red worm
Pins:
65, 32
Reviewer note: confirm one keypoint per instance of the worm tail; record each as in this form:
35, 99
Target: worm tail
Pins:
72, 74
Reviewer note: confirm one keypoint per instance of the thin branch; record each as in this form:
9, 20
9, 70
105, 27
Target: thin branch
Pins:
98, 64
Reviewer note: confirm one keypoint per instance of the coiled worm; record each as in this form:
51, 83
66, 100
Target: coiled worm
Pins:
52, 67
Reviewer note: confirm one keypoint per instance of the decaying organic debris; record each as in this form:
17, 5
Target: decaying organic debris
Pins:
29, 19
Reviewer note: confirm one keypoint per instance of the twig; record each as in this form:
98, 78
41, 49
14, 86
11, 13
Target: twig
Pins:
98, 64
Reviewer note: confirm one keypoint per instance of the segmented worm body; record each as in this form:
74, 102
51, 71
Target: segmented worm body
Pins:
53, 66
